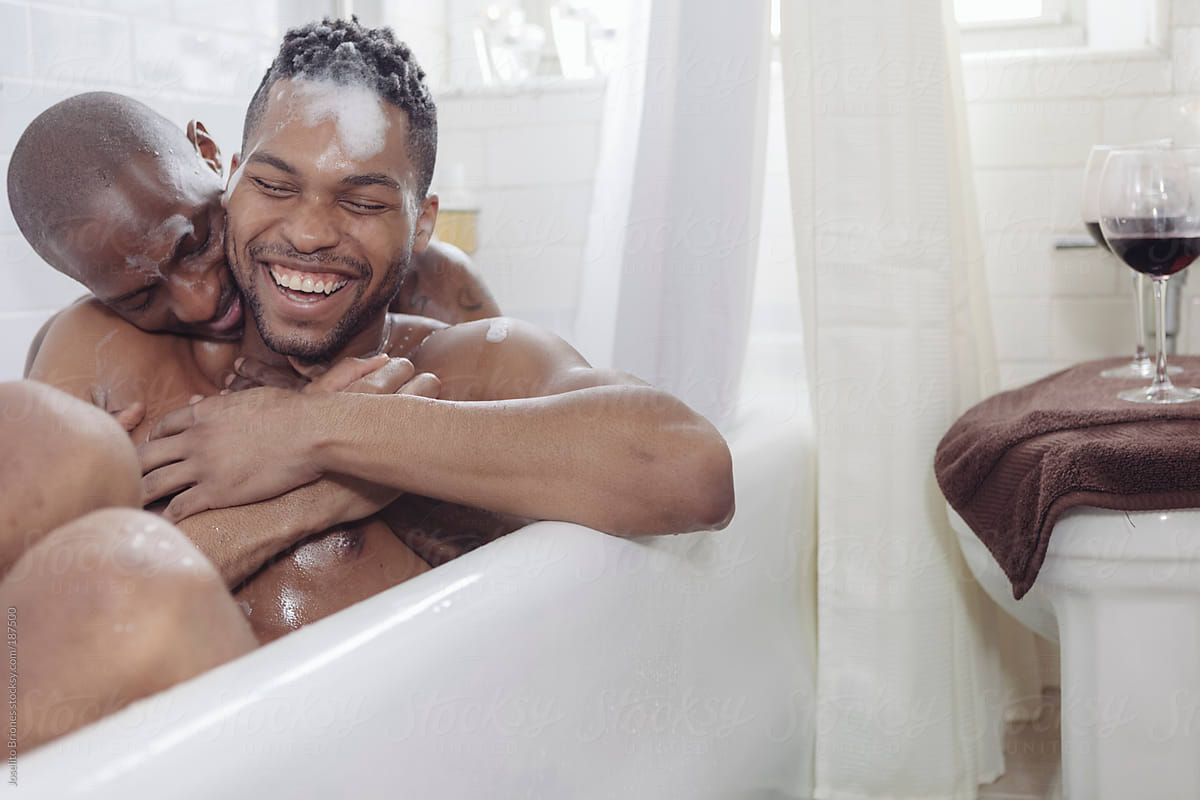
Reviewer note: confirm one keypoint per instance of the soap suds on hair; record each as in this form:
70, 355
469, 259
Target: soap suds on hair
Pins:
497, 331
357, 111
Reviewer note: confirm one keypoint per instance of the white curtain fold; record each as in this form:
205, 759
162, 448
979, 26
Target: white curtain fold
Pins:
916, 667
672, 239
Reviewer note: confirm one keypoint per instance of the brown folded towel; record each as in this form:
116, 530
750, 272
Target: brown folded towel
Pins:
1012, 464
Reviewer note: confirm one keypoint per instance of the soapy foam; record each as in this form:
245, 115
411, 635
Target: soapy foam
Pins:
357, 112
497, 331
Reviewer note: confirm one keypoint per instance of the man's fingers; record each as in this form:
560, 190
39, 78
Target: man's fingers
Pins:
177, 421
166, 480
388, 379
240, 384
129, 418
185, 504
346, 372
160, 452
255, 373
424, 385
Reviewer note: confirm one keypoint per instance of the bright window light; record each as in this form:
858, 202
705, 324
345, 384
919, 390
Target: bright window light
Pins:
969, 11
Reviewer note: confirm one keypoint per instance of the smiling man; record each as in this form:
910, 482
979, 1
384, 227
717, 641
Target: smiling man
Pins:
135, 214
325, 214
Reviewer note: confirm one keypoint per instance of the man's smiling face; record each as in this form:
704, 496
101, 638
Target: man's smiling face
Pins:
323, 219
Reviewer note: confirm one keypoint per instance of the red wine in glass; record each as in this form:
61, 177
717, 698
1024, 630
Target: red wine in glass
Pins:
1157, 255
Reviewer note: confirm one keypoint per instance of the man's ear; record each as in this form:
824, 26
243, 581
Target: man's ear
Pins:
205, 145
425, 223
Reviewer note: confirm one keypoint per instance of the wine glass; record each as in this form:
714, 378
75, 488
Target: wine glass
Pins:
1141, 366
1150, 217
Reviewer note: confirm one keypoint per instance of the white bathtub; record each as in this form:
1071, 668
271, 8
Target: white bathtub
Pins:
556, 662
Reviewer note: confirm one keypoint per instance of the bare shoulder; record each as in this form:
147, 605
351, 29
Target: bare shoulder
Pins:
86, 345
408, 331
504, 358
442, 283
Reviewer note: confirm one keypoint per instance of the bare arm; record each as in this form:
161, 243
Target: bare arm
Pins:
89, 352
526, 427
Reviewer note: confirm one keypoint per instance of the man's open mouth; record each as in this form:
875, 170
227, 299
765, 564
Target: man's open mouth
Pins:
229, 319
306, 287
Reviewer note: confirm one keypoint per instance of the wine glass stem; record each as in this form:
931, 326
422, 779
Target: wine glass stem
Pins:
1161, 381
1139, 292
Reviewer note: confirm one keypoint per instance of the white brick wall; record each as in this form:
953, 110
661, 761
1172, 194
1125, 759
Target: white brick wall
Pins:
529, 157
1032, 121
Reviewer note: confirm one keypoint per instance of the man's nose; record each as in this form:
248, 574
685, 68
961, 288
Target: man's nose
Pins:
194, 297
311, 226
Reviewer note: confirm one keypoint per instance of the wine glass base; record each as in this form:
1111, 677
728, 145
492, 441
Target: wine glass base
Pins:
1136, 369
1161, 394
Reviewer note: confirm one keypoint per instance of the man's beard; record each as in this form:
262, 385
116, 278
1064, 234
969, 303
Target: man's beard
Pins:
359, 313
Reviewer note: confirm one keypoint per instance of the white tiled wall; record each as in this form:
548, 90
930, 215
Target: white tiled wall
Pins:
529, 159
1032, 120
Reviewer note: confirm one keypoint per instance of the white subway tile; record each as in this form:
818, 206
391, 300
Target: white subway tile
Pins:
1185, 12
462, 148
77, 48
1189, 329
31, 283
1022, 328
16, 333
1069, 74
8, 225
1047, 196
537, 217
169, 57
1086, 329
1141, 118
1185, 54
19, 104
1089, 272
486, 110
535, 156
542, 278
1018, 263
134, 9
1017, 373
14, 40
257, 18
1033, 134
580, 104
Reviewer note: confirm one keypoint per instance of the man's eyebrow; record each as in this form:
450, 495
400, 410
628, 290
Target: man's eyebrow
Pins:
372, 179
271, 161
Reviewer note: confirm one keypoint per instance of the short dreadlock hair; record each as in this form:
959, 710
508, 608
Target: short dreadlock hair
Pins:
349, 54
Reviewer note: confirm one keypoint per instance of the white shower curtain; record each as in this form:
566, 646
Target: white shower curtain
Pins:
916, 667
673, 233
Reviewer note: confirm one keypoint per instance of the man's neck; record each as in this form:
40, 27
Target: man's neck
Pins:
370, 340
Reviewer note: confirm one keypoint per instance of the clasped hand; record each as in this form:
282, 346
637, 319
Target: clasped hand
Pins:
242, 447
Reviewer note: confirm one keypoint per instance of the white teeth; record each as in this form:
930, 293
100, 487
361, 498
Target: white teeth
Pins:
307, 285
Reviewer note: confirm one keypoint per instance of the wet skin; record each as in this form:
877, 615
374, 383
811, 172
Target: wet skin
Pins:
322, 574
